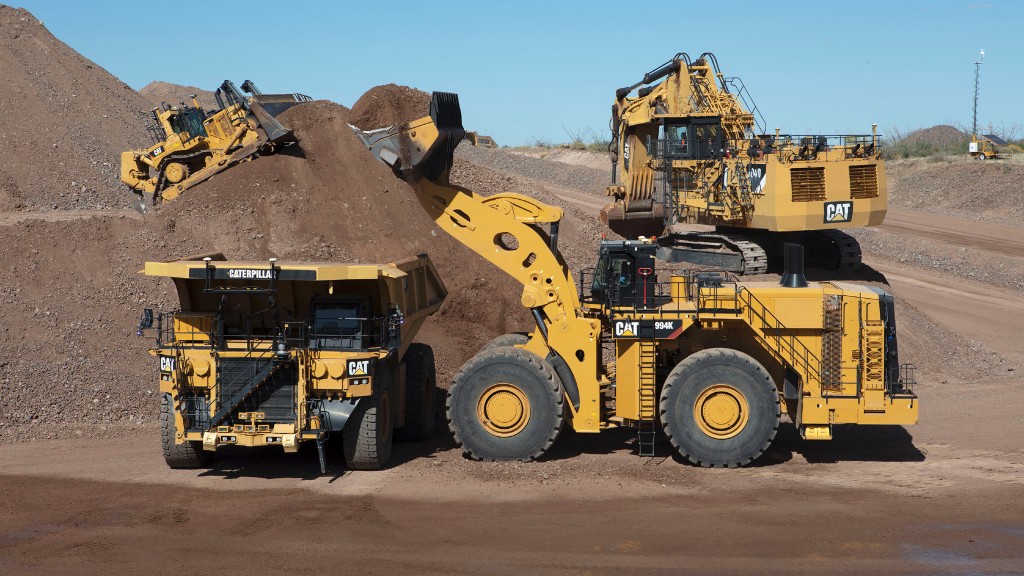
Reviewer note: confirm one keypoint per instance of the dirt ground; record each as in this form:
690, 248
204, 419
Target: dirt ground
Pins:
84, 489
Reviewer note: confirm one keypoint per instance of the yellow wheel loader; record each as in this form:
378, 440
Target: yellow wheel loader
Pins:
691, 148
191, 144
713, 361
277, 354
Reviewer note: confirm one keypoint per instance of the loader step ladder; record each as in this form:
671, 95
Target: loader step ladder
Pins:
648, 404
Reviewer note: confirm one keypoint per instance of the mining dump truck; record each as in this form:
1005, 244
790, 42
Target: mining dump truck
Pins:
190, 144
691, 148
712, 361
276, 354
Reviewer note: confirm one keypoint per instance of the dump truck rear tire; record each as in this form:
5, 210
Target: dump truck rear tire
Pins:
506, 404
514, 339
188, 454
367, 437
720, 407
420, 386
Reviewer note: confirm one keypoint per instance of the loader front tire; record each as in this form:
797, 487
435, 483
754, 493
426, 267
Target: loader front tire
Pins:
189, 454
506, 404
720, 407
513, 339
420, 386
366, 439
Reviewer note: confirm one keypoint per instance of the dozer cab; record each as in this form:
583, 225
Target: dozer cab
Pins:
277, 354
191, 144
691, 148
712, 361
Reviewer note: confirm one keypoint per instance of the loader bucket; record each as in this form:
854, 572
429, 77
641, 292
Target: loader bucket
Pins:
423, 147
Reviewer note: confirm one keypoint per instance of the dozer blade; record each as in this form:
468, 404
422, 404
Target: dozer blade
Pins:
631, 225
276, 133
423, 147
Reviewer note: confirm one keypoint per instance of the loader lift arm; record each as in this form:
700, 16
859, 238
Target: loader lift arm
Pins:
504, 230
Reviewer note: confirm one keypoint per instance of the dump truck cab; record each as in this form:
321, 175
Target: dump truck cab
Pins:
275, 354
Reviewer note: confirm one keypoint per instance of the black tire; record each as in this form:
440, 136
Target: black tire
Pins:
420, 384
366, 440
188, 454
507, 340
509, 373
720, 372
982, 156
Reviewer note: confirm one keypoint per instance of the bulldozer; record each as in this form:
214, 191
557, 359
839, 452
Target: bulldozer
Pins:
709, 360
279, 354
691, 148
191, 144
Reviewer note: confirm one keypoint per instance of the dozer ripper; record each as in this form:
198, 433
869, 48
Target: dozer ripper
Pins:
191, 144
691, 148
711, 360
277, 354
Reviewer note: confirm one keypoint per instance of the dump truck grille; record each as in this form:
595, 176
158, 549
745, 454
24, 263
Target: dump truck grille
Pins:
276, 397
863, 182
808, 184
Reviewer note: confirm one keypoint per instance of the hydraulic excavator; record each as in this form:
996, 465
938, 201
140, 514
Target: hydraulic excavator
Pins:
691, 148
713, 361
191, 144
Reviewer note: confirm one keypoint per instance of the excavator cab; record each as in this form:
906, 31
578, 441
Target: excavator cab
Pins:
625, 274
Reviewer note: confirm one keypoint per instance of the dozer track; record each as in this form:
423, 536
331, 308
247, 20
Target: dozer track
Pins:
723, 250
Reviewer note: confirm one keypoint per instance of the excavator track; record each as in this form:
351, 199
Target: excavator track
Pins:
723, 250
849, 252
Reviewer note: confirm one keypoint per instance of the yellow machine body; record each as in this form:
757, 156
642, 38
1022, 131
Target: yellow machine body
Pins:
191, 144
693, 149
612, 346
280, 353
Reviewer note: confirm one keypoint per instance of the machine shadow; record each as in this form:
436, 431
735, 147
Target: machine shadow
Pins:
863, 274
293, 150
850, 443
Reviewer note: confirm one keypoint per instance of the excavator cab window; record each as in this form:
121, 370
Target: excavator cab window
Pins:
677, 140
707, 136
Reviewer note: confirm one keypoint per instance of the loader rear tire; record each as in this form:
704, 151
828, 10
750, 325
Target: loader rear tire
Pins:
512, 340
366, 439
720, 407
420, 386
189, 454
506, 404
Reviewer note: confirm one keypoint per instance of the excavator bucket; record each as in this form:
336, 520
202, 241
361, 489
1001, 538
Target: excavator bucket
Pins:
423, 147
630, 222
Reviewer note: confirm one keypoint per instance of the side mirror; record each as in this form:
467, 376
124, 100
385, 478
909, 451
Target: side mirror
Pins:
146, 322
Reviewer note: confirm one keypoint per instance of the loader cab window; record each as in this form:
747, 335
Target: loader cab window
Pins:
188, 120
613, 276
338, 326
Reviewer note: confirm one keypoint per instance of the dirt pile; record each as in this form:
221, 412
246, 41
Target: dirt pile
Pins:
941, 136
71, 363
389, 105
158, 92
963, 186
66, 122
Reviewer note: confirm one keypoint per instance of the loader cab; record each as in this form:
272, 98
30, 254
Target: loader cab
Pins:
625, 274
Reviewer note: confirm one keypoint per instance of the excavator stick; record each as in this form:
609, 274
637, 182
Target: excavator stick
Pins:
423, 148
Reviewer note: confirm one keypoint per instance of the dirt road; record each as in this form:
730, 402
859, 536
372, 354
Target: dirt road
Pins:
1002, 239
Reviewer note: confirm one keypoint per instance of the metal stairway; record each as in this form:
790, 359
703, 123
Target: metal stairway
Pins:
648, 404
258, 371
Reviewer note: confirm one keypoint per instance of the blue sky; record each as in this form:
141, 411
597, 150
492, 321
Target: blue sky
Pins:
529, 70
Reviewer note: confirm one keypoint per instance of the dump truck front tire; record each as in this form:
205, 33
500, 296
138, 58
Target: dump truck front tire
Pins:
420, 387
367, 437
188, 454
506, 404
720, 407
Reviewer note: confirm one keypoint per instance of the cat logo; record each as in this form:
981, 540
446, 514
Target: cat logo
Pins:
838, 211
166, 364
627, 329
358, 367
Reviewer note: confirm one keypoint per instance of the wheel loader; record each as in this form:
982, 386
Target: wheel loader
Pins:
190, 144
712, 361
691, 148
277, 354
